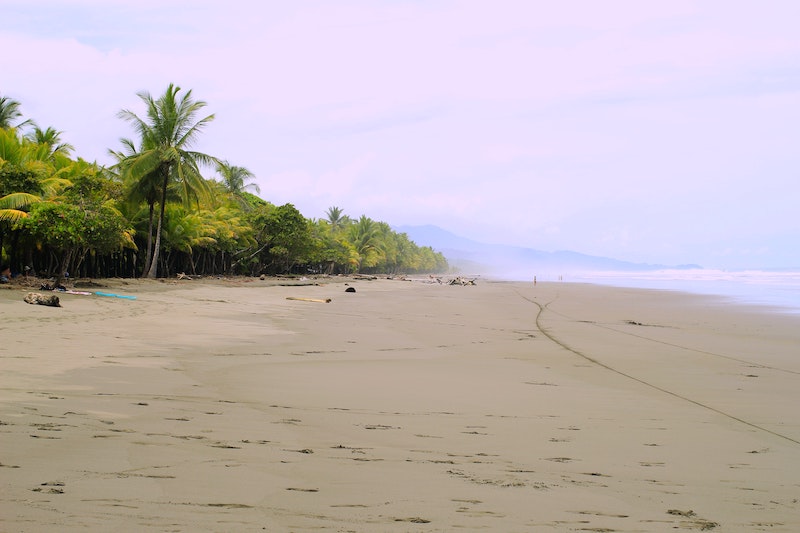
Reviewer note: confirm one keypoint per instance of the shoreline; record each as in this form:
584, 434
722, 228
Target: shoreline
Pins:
711, 288
221, 405
779, 289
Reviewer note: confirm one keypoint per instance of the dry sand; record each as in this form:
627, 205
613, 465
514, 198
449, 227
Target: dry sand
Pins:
407, 406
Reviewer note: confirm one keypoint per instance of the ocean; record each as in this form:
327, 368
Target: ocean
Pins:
777, 289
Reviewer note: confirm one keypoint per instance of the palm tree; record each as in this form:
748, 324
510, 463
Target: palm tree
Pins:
186, 230
336, 218
51, 138
235, 179
167, 134
9, 111
365, 238
28, 175
138, 189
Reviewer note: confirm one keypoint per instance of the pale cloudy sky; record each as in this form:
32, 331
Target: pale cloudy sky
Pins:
664, 132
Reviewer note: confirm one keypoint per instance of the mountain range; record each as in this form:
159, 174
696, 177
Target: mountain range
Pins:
515, 262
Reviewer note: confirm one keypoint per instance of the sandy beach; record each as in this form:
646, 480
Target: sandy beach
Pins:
219, 405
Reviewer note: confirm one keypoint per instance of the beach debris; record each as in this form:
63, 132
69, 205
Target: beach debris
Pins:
46, 287
35, 298
80, 293
55, 487
318, 300
350, 289
678, 512
307, 451
82, 284
462, 281
114, 295
183, 276
694, 522
413, 520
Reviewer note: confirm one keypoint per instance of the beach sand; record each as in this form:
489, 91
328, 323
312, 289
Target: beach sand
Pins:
222, 406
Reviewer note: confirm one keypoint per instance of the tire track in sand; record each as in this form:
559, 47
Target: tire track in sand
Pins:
556, 340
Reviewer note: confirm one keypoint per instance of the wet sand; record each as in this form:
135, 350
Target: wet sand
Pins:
406, 406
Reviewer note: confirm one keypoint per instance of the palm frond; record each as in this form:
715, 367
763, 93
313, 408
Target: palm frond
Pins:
18, 200
12, 215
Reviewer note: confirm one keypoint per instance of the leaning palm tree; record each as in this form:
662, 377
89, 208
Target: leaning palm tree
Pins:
167, 134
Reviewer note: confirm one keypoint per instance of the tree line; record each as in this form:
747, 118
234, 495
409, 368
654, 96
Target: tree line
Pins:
154, 214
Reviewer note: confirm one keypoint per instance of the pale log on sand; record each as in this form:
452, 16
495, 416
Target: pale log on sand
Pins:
325, 301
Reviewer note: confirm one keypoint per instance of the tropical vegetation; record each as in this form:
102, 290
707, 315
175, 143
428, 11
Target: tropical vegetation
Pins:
163, 208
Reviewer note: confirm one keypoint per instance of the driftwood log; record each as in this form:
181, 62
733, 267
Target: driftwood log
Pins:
462, 281
325, 301
41, 299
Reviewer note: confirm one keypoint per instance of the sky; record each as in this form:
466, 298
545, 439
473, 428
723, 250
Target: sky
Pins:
655, 132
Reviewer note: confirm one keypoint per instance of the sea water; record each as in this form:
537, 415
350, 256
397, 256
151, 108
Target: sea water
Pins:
778, 289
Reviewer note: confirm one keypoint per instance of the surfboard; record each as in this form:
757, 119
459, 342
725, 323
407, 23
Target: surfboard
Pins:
113, 295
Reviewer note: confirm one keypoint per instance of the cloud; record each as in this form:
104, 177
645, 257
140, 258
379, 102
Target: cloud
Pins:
664, 131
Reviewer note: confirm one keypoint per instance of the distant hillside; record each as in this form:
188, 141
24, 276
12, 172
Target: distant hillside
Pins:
514, 262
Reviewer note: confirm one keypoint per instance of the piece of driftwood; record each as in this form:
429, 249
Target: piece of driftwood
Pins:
325, 301
35, 298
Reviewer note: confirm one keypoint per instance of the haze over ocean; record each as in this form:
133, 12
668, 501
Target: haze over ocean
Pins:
760, 287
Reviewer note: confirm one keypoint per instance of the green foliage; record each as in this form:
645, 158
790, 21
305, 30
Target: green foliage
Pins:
63, 226
287, 237
18, 179
53, 205
23, 164
344, 245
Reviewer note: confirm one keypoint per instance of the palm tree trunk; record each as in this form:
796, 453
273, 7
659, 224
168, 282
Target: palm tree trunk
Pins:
154, 262
149, 256
151, 273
